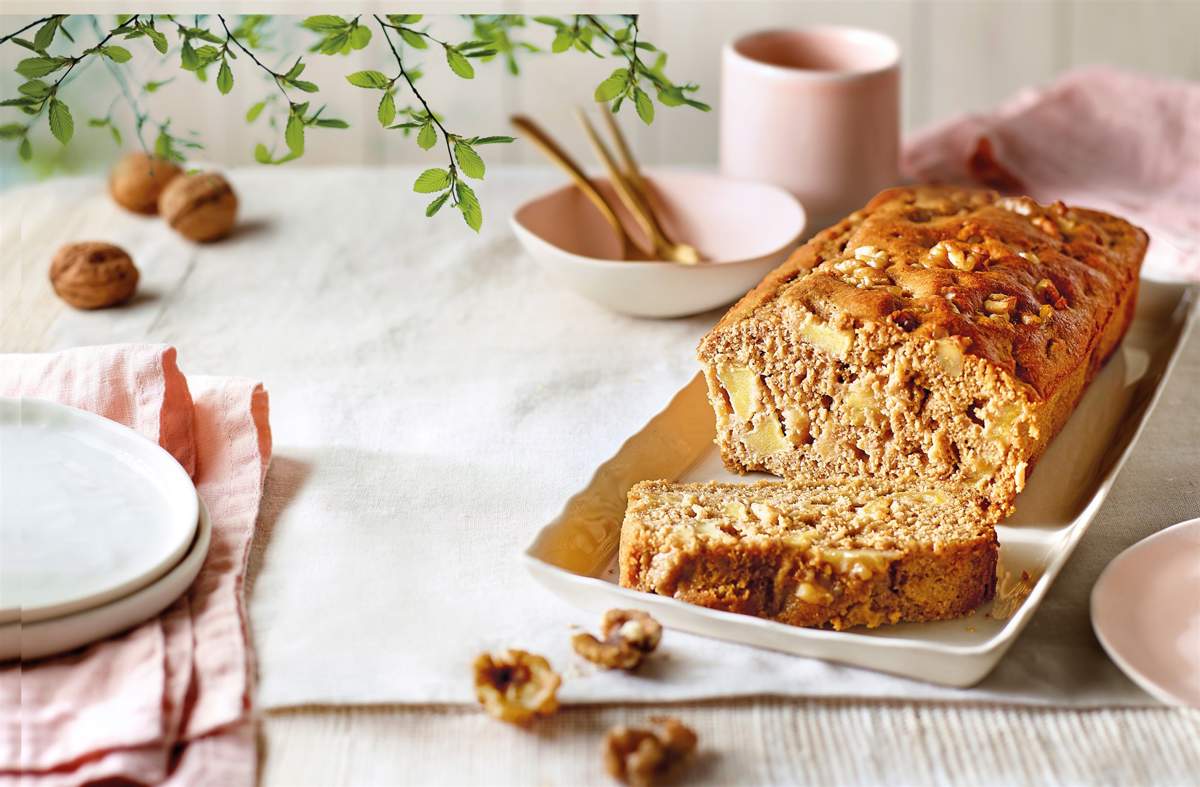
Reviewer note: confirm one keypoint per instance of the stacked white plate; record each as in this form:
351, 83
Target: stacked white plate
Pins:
100, 528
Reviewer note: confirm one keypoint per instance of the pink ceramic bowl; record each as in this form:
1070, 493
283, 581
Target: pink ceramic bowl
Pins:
742, 229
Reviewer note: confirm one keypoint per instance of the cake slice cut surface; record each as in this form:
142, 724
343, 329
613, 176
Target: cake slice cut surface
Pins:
833, 554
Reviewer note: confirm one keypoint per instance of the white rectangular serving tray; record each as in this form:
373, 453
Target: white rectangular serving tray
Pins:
575, 555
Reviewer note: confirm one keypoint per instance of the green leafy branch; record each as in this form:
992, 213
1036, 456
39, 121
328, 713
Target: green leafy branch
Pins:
38, 96
298, 116
462, 157
626, 84
202, 48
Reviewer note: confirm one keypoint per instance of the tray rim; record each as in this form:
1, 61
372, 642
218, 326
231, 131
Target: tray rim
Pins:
993, 648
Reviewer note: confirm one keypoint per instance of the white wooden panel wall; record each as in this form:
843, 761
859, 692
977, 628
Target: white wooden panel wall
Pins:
958, 56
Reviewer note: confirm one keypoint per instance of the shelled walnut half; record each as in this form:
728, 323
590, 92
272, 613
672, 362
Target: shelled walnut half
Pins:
93, 275
516, 686
629, 635
643, 757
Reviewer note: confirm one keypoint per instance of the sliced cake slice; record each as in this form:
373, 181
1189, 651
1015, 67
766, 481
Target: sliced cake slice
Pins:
830, 554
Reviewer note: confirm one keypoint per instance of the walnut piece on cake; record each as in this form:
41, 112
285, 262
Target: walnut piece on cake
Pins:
808, 553
940, 333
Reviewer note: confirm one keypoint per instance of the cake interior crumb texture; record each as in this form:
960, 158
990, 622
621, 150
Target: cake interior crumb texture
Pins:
939, 333
834, 554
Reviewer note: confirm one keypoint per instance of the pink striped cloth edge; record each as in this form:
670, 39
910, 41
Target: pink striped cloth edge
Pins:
168, 701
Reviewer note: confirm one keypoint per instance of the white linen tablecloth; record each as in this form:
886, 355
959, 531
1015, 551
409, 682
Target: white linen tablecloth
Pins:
435, 400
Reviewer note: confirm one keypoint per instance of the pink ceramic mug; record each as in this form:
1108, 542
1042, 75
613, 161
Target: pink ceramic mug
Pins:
816, 111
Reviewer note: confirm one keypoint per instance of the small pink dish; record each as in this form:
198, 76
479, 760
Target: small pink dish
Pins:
1146, 613
742, 229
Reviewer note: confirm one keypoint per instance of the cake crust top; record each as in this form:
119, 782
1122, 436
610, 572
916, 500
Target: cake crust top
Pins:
1028, 287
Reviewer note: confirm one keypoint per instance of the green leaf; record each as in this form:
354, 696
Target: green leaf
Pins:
468, 160
117, 54
253, 112
225, 78
12, 131
26, 150
116, 134
307, 87
550, 21
427, 136
150, 87
437, 204
468, 205
97, 122
338, 42
405, 19
159, 40
208, 54
295, 71
33, 67
387, 110
670, 97
374, 80
562, 41
35, 88
360, 37
413, 38
482, 53
492, 140
261, 154
645, 107
62, 126
188, 59
332, 123
459, 64
293, 135
324, 22
45, 34
613, 86
432, 180
24, 102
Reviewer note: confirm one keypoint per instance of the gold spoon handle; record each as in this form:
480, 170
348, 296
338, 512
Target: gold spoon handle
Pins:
625, 189
545, 143
632, 172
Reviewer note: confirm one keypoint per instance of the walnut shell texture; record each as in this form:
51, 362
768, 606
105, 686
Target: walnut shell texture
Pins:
137, 180
93, 275
200, 207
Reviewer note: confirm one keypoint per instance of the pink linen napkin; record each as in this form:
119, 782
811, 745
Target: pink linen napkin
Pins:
168, 701
1098, 137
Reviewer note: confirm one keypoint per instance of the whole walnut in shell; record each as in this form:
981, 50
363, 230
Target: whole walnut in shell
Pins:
137, 180
200, 207
93, 275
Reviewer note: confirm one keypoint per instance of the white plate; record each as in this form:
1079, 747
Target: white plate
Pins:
575, 554
1146, 613
91, 510
58, 635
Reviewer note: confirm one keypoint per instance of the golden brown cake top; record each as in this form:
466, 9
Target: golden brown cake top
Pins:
1026, 286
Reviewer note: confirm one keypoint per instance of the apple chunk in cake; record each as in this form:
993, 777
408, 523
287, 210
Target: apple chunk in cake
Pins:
938, 334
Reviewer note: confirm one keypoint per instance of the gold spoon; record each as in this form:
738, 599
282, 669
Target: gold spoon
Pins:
544, 142
633, 193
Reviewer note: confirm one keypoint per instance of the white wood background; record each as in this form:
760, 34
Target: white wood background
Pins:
958, 56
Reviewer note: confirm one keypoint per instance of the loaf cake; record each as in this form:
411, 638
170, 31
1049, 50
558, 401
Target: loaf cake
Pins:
812, 553
940, 333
